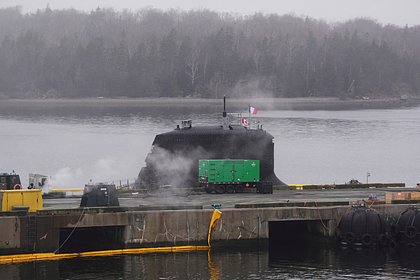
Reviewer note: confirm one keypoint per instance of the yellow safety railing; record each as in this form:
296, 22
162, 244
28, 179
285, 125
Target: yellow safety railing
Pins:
60, 190
297, 186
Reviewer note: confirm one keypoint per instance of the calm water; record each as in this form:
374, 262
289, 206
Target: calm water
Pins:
110, 144
290, 263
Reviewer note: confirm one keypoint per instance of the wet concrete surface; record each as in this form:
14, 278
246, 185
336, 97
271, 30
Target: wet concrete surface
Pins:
227, 200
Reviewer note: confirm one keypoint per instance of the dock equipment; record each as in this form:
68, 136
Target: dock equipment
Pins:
17, 199
231, 175
99, 195
10, 181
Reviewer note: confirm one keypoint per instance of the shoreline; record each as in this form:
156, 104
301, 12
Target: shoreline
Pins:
311, 103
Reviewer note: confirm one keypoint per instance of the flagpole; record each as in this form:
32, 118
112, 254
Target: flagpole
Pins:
249, 115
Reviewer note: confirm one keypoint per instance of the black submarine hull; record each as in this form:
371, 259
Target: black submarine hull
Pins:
175, 154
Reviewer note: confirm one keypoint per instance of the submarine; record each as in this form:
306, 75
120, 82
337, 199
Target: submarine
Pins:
173, 160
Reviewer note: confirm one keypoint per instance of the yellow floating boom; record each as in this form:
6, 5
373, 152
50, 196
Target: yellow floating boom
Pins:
52, 256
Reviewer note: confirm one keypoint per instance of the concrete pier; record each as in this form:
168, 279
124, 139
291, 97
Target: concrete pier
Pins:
67, 230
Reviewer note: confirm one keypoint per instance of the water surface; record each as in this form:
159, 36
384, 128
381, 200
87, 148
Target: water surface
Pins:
105, 143
299, 262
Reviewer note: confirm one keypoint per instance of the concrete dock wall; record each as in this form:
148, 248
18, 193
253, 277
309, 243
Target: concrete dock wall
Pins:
10, 233
44, 232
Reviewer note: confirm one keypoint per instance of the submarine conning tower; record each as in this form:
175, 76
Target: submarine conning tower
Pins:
175, 154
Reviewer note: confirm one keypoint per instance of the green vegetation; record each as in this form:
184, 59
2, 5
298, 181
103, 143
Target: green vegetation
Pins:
152, 53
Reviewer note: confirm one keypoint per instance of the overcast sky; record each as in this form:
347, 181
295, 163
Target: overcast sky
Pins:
399, 12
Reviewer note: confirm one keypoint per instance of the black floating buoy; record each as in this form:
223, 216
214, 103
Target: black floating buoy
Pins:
361, 226
405, 232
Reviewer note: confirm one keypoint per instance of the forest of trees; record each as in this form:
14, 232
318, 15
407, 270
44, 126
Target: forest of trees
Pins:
153, 53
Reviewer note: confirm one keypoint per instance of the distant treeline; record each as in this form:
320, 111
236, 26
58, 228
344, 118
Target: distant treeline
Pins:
153, 53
